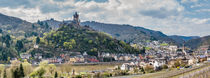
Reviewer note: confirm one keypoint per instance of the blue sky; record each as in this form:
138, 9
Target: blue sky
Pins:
172, 17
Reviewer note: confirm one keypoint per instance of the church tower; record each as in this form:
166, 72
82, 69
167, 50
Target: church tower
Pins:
183, 49
76, 18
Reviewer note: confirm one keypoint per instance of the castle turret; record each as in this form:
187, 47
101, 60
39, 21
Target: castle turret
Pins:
76, 18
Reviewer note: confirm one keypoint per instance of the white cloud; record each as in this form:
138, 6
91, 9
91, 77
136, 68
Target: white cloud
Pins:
188, 1
203, 10
163, 15
32, 14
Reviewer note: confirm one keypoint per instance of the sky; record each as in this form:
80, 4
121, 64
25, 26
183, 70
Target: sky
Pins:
172, 17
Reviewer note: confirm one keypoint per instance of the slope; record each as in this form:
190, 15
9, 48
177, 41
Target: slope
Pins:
75, 38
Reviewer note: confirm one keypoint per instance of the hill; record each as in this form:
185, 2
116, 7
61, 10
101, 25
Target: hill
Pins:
20, 28
196, 43
182, 39
76, 38
54, 24
128, 33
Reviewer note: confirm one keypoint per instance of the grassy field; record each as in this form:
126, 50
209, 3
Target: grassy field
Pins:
84, 68
92, 67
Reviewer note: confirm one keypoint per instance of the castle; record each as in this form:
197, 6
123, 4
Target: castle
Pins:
76, 18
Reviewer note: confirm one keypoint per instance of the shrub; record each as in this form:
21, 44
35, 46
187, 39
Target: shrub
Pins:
149, 69
106, 75
78, 76
165, 67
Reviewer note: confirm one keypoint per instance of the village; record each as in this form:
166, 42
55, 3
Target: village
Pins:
157, 57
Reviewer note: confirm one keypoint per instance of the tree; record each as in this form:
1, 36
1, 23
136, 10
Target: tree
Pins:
6, 39
70, 44
1, 30
143, 51
46, 25
40, 23
38, 73
142, 70
149, 69
56, 75
51, 68
18, 72
67, 45
27, 67
21, 71
19, 46
177, 63
15, 73
93, 50
37, 40
122, 43
90, 41
5, 74
33, 26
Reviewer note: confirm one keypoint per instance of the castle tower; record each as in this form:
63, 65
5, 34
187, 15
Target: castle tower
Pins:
76, 18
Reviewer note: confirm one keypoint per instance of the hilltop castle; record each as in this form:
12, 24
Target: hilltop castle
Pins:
76, 18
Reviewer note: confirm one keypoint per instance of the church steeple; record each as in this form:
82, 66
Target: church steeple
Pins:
76, 18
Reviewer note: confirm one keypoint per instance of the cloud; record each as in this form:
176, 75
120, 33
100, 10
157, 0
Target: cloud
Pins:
188, 1
168, 16
203, 10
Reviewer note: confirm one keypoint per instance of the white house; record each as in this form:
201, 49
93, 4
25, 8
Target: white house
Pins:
156, 65
36, 46
25, 56
85, 54
124, 66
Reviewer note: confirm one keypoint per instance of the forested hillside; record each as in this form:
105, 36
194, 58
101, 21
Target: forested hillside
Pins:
128, 33
20, 28
76, 38
196, 43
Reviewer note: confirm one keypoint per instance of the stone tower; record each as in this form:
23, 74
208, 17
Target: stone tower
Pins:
76, 18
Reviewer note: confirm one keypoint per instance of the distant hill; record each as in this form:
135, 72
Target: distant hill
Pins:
182, 39
196, 43
128, 33
76, 38
18, 27
53, 23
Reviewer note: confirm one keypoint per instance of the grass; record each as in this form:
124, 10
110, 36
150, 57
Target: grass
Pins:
84, 68
92, 67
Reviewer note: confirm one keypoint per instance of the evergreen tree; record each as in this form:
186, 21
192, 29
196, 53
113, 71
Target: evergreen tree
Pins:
56, 75
40, 23
21, 71
1, 30
5, 74
143, 51
33, 26
15, 73
37, 40
46, 25
19, 45
6, 39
